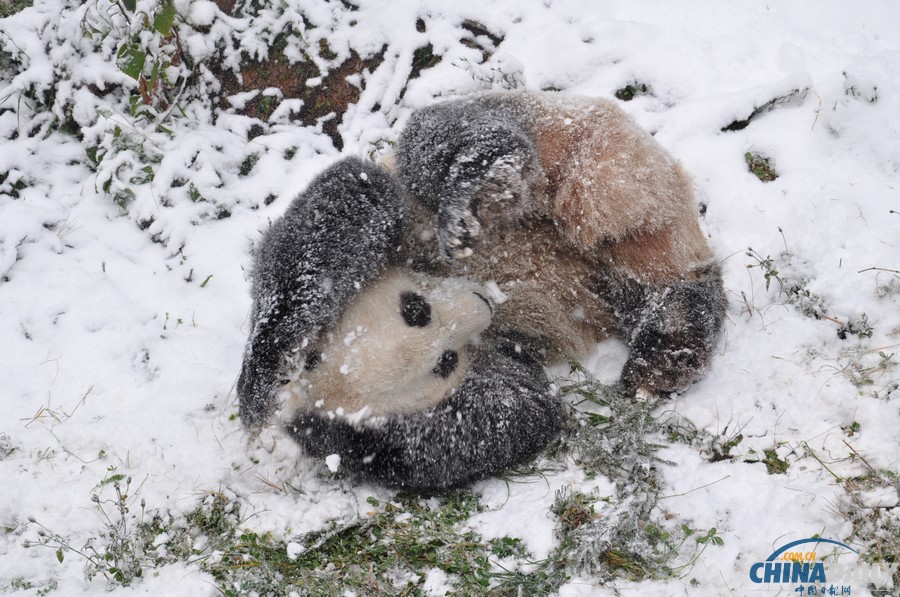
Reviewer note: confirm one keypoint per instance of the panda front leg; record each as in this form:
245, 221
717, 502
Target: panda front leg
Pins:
673, 332
334, 237
475, 165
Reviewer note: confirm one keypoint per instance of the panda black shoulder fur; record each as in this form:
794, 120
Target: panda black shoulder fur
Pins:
378, 364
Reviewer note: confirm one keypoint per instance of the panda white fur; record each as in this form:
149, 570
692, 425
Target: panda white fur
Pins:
586, 224
399, 347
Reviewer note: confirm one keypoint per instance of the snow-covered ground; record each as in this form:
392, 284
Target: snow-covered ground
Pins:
122, 330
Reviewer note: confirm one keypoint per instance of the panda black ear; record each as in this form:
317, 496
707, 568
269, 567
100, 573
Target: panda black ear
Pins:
415, 310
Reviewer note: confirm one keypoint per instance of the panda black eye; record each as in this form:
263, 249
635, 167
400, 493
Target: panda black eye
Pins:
415, 309
446, 364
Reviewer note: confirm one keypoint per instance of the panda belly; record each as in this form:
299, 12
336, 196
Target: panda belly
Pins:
551, 294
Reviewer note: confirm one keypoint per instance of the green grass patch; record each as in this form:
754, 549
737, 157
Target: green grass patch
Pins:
390, 552
876, 528
11, 7
631, 91
760, 166
775, 465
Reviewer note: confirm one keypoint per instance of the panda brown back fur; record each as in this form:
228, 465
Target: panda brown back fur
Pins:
585, 222
548, 292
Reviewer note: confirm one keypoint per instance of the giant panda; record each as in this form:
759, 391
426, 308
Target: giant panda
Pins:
395, 371
586, 225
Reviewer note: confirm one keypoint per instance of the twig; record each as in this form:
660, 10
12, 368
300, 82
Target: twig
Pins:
662, 497
880, 269
172, 107
60, 416
726, 582
122, 12
833, 320
819, 109
866, 462
268, 483
819, 460
881, 348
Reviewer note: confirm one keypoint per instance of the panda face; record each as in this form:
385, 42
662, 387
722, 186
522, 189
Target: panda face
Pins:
400, 347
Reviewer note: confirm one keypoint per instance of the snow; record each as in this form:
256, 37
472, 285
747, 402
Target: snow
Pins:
333, 462
117, 358
522, 509
294, 550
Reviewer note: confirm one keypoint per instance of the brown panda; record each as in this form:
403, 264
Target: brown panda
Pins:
587, 225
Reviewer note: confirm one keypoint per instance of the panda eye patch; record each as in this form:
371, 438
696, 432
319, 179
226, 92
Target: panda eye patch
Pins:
415, 310
446, 364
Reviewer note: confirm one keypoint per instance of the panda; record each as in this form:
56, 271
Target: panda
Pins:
395, 371
584, 221
587, 227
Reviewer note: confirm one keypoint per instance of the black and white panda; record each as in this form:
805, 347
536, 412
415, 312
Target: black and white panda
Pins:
585, 224
392, 370
310, 263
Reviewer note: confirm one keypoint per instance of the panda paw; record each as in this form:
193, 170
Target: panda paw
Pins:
458, 231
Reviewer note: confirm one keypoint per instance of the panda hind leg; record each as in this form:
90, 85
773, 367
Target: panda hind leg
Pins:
673, 334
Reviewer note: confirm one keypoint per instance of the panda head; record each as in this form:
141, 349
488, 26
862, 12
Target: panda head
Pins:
399, 347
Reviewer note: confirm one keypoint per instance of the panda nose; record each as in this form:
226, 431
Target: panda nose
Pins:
489, 304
